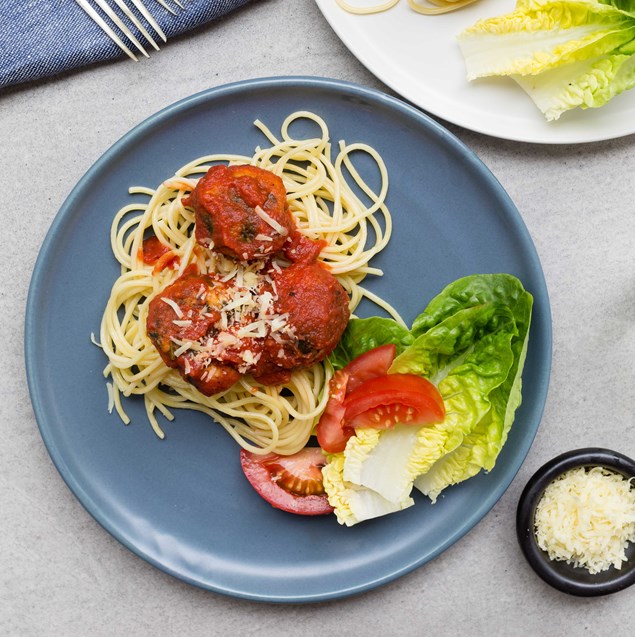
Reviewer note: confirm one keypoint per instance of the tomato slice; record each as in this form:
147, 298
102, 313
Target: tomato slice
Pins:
331, 435
375, 362
331, 432
290, 483
385, 401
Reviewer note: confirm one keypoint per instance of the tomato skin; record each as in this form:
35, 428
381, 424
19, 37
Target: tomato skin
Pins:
331, 434
375, 362
363, 394
264, 475
419, 402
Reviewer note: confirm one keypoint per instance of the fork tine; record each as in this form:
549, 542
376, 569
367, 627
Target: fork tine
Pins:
124, 7
117, 21
146, 14
105, 28
105, 7
165, 6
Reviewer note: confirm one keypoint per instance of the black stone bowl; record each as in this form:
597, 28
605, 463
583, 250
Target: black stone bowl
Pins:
562, 576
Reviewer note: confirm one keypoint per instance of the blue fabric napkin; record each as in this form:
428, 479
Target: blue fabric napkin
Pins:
41, 38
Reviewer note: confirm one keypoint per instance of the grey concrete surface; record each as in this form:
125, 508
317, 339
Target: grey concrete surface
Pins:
62, 574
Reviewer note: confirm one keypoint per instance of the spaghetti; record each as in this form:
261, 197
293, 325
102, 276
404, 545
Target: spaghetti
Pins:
329, 201
428, 7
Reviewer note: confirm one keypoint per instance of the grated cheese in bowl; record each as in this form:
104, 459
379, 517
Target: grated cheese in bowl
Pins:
586, 517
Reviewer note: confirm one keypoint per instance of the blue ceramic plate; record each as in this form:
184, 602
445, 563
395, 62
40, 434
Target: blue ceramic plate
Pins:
182, 503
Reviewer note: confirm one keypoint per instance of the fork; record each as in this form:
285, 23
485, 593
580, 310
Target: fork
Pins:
119, 23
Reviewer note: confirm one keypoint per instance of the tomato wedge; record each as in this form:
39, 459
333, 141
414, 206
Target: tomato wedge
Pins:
290, 483
331, 432
363, 394
375, 362
392, 399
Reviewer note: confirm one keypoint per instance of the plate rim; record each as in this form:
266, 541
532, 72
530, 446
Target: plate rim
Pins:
44, 254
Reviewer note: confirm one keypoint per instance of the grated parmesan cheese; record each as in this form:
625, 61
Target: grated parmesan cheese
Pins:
268, 219
174, 305
183, 346
587, 518
244, 314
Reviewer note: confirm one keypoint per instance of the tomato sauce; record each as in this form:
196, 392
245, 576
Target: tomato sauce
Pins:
317, 306
300, 249
194, 316
155, 253
241, 211
212, 331
190, 310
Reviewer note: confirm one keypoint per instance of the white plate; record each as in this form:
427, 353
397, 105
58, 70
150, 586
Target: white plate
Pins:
417, 56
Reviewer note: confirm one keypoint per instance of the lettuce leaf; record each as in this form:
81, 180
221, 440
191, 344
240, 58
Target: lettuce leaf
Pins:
563, 53
471, 342
589, 84
352, 503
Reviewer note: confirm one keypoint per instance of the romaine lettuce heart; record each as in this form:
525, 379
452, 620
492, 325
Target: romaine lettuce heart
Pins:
563, 53
471, 341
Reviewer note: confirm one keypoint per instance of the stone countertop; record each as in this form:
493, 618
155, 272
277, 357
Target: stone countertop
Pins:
63, 574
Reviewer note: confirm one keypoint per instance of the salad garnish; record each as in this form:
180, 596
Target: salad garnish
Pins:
564, 54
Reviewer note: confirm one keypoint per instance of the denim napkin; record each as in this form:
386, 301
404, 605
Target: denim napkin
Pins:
40, 38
